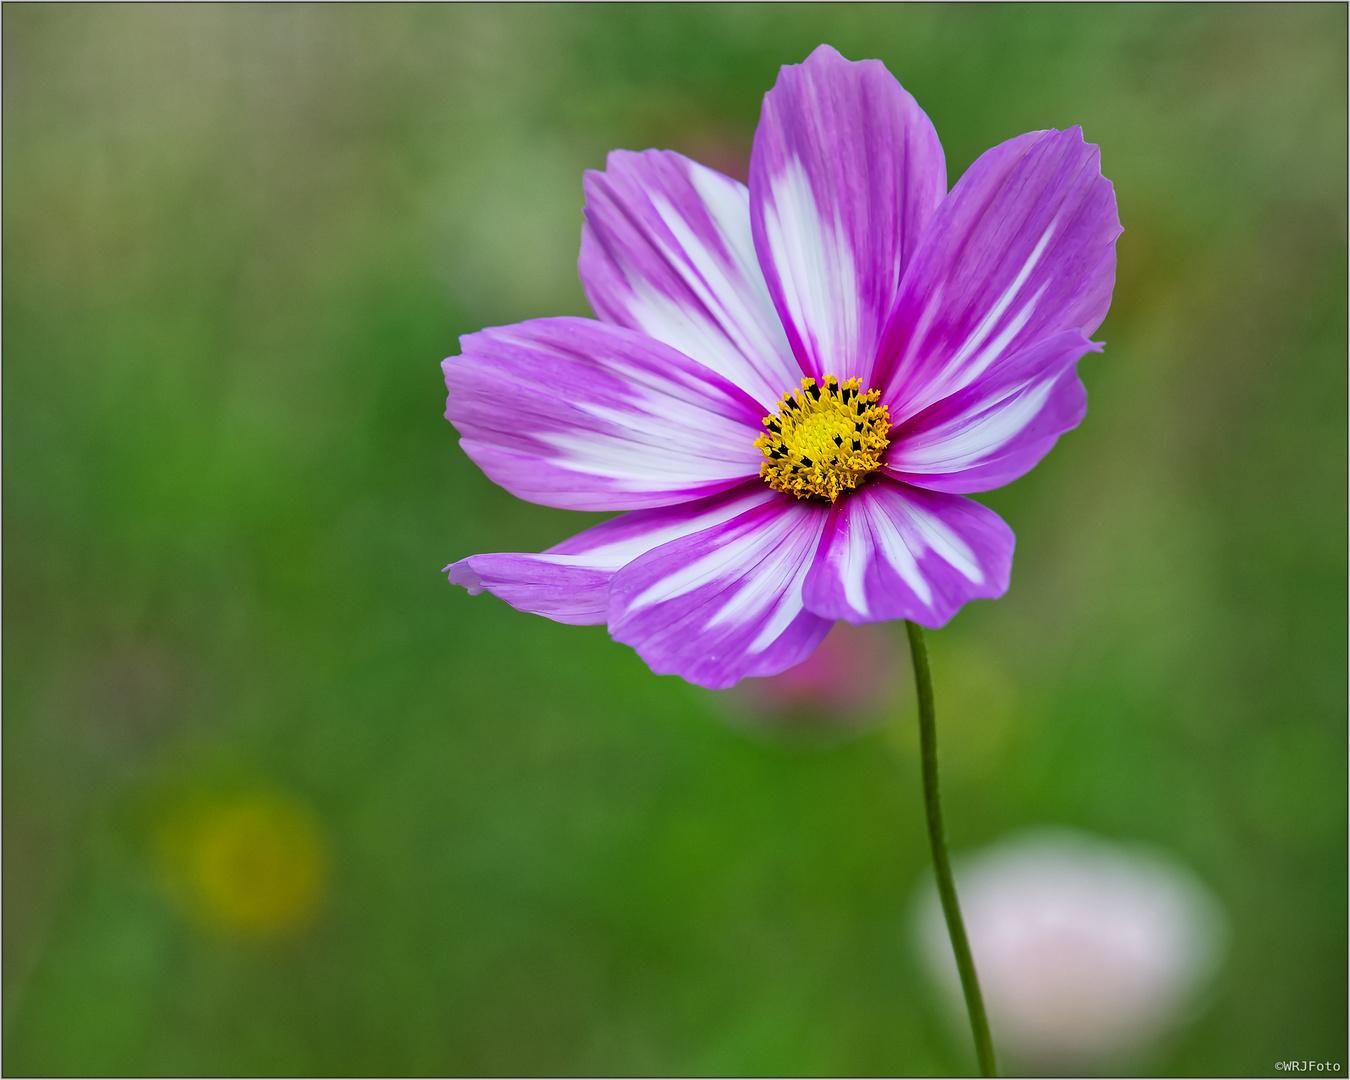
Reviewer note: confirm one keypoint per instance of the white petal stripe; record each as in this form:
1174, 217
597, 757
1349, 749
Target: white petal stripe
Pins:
966, 440
817, 272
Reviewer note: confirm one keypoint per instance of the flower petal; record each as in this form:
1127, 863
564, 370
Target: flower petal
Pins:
1000, 425
569, 582
666, 250
726, 602
845, 173
564, 588
1023, 248
892, 551
587, 416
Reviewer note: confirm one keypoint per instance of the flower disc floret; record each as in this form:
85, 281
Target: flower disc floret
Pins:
824, 439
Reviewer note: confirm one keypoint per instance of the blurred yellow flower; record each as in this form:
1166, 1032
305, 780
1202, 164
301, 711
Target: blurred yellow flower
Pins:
253, 864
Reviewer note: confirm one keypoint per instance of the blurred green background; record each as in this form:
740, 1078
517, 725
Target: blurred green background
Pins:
237, 242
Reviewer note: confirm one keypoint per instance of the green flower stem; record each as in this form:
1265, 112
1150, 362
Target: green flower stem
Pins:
942, 867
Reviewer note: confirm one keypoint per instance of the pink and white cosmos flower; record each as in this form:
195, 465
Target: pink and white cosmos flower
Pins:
792, 386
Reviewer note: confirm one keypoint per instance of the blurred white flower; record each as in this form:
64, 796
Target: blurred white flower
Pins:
1086, 951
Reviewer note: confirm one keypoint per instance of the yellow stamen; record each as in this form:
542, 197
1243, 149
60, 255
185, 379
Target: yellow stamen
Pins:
824, 439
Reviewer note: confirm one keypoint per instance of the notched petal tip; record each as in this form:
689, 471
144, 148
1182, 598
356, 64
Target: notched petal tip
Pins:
462, 573
826, 54
826, 51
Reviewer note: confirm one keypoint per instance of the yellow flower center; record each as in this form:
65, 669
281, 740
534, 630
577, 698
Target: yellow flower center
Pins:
824, 439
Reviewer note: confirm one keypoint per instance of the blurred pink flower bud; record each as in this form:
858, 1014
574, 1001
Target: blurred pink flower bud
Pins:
854, 671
